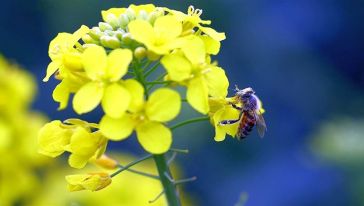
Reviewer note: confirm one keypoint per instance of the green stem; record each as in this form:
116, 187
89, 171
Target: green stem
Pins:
130, 165
199, 119
140, 77
140, 173
157, 82
152, 69
169, 186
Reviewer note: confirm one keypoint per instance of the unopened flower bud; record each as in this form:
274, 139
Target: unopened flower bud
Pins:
95, 33
88, 39
127, 38
110, 42
140, 52
106, 162
152, 56
113, 21
124, 20
91, 181
105, 26
142, 15
119, 34
130, 13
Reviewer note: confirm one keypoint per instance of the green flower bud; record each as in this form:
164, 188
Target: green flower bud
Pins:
124, 20
140, 52
105, 26
131, 14
109, 33
88, 39
95, 33
113, 21
110, 42
127, 38
142, 15
119, 34
152, 17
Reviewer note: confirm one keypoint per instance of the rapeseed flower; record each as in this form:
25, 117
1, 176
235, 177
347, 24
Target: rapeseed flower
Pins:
147, 119
91, 181
105, 72
63, 54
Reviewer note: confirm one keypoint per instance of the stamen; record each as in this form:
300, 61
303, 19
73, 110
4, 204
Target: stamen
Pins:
191, 10
198, 12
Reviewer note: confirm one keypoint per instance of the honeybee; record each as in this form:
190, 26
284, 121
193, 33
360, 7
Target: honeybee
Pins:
249, 113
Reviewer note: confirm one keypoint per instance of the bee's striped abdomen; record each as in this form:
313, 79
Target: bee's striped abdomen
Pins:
246, 124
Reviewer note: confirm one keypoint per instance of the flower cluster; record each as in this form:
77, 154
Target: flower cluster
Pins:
18, 129
111, 65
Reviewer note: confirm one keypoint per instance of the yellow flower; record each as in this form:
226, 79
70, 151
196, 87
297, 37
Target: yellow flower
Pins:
105, 86
159, 38
62, 52
192, 19
202, 80
91, 181
220, 110
55, 138
85, 145
147, 119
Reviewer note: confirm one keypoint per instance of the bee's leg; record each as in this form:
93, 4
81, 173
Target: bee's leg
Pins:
235, 106
231, 121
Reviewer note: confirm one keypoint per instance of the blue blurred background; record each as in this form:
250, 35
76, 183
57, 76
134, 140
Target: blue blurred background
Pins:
304, 58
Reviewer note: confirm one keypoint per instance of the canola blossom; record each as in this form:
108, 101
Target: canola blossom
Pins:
114, 65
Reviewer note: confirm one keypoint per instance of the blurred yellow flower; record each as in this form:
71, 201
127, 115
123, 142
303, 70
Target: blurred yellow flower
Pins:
63, 54
105, 73
91, 181
134, 8
147, 119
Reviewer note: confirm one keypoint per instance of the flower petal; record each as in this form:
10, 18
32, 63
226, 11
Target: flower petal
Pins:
118, 63
77, 161
154, 137
117, 129
167, 27
217, 82
197, 94
61, 94
163, 105
136, 91
212, 33
142, 31
226, 113
194, 49
77, 35
52, 139
51, 69
83, 142
177, 66
94, 60
212, 46
116, 100
88, 97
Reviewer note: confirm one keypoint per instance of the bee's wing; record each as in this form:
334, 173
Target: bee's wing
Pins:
261, 126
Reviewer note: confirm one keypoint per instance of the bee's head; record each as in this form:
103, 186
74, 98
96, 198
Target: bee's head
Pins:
247, 92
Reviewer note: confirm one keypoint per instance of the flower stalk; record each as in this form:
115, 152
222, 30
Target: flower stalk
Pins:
169, 186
